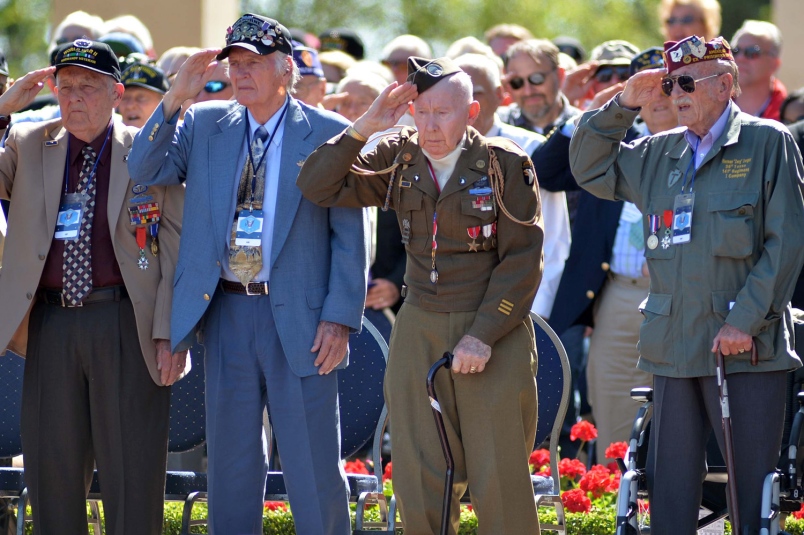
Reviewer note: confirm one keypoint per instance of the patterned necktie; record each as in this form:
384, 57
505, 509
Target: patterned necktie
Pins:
245, 261
77, 272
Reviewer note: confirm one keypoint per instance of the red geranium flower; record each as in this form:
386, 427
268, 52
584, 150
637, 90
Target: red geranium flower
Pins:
571, 468
583, 430
387, 474
617, 450
800, 513
539, 458
576, 501
598, 481
355, 467
276, 506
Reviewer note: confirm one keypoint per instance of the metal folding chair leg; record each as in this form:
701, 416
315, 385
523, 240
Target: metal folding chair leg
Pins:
95, 518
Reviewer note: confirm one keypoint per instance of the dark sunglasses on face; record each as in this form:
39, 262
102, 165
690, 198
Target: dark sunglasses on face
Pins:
215, 86
605, 74
685, 20
750, 52
537, 78
685, 82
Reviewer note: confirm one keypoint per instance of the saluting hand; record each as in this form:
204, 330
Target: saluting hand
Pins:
191, 78
642, 88
24, 90
386, 109
471, 355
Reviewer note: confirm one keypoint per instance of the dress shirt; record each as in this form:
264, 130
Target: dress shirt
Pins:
626, 258
705, 145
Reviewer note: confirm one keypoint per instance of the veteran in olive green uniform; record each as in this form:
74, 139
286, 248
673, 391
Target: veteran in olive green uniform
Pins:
470, 217
725, 281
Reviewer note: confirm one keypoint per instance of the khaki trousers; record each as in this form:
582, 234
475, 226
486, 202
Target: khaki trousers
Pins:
611, 370
490, 418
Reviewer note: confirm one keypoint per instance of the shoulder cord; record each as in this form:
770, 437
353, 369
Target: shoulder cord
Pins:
498, 185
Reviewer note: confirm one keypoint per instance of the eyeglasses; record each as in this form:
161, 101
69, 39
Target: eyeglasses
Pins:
535, 79
215, 86
685, 20
750, 52
685, 82
606, 73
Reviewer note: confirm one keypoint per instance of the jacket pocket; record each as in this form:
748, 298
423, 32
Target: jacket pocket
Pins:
655, 333
732, 214
413, 222
316, 296
723, 301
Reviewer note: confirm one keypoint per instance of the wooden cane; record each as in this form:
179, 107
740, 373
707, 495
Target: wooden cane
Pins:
445, 362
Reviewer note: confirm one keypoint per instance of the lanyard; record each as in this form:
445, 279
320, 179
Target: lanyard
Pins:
265, 149
693, 166
94, 167
434, 271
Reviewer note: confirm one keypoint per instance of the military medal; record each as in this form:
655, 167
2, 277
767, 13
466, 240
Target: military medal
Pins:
142, 262
494, 235
653, 224
154, 231
434, 271
406, 231
473, 232
668, 220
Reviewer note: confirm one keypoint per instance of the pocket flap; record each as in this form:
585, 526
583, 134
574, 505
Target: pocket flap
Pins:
316, 296
732, 200
722, 301
657, 304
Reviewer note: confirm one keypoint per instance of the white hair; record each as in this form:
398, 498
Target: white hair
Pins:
490, 68
82, 19
282, 65
414, 45
364, 77
763, 29
131, 25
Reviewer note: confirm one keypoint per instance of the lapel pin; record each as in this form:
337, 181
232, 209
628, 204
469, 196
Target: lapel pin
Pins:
51, 143
300, 163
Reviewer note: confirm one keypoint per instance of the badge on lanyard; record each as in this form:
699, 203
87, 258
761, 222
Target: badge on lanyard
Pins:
682, 218
71, 211
249, 228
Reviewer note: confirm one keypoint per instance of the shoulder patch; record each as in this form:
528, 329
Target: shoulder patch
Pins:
529, 172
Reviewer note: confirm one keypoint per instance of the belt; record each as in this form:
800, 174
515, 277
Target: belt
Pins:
253, 288
641, 282
98, 295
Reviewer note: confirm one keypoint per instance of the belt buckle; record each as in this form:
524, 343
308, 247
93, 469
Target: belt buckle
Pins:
264, 285
65, 304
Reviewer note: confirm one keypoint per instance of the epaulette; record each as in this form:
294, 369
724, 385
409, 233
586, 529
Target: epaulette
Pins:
506, 144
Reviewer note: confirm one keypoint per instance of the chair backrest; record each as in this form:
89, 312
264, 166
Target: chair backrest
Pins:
187, 408
11, 367
553, 386
360, 395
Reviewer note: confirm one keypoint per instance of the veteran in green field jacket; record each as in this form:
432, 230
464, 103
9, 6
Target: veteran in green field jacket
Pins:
470, 217
724, 229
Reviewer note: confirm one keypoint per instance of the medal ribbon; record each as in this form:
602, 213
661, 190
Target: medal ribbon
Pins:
668, 219
141, 238
653, 223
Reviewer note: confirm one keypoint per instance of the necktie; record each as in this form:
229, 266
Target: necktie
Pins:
246, 261
77, 265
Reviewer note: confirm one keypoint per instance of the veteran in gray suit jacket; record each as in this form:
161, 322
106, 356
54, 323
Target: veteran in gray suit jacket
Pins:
272, 282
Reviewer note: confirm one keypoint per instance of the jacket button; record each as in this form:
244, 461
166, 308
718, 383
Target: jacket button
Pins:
619, 116
206, 297
41, 257
218, 263
29, 296
741, 211
590, 294
605, 266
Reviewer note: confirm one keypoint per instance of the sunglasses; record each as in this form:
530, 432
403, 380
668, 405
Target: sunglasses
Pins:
750, 52
685, 82
215, 86
535, 79
605, 74
686, 20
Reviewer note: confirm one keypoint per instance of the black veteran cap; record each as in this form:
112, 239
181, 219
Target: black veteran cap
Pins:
652, 58
91, 55
147, 76
425, 73
257, 34
342, 39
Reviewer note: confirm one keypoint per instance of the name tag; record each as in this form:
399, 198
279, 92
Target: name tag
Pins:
682, 218
249, 228
71, 212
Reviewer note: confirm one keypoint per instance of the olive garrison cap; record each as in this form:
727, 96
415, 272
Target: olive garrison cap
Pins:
425, 73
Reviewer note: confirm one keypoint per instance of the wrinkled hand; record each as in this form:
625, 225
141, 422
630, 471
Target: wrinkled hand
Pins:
171, 366
470, 353
383, 294
386, 109
23, 91
191, 78
605, 95
578, 82
330, 342
331, 102
731, 340
642, 88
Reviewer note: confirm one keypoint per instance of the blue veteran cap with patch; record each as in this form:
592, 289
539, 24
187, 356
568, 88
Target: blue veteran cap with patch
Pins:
652, 58
87, 54
307, 60
257, 34
147, 76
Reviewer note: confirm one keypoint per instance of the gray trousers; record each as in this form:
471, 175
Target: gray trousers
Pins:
246, 369
88, 398
685, 412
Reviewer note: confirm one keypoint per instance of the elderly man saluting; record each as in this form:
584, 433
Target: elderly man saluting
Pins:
277, 281
722, 212
470, 217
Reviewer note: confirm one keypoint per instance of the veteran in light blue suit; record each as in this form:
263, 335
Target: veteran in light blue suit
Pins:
274, 307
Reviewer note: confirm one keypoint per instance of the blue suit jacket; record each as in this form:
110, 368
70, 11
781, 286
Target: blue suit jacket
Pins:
319, 255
